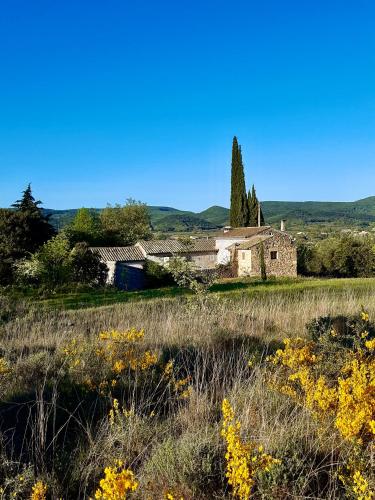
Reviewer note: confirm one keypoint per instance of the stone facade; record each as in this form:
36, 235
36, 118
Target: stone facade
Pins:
201, 260
280, 255
239, 247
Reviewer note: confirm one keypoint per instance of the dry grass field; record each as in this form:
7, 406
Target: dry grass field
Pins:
73, 403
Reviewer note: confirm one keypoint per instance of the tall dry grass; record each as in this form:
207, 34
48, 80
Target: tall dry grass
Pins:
63, 434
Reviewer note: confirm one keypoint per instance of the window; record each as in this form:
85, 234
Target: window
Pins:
274, 255
243, 255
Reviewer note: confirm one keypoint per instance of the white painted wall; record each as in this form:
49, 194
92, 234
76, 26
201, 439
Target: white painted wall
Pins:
222, 244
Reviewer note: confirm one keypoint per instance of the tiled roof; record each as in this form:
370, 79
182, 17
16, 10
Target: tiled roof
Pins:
243, 232
119, 254
154, 247
253, 241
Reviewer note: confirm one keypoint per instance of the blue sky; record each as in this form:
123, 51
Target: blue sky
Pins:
101, 101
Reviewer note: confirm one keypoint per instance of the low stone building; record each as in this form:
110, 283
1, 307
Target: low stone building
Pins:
126, 264
280, 252
239, 247
201, 252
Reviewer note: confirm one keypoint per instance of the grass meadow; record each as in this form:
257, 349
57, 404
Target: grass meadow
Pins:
68, 410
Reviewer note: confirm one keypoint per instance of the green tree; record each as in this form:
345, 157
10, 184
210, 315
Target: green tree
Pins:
125, 225
56, 264
32, 226
50, 265
253, 204
347, 256
87, 267
85, 227
22, 231
239, 214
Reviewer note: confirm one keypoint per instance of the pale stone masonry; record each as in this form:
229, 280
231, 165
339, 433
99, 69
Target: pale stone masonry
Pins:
126, 264
238, 247
201, 252
280, 252
280, 256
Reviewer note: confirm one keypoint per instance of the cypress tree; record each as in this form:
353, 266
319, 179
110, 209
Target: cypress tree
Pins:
238, 199
244, 206
253, 203
253, 208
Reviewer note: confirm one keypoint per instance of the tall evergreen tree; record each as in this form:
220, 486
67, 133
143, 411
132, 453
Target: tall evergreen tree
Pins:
27, 203
253, 204
253, 211
22, 231
33, 226
238, 200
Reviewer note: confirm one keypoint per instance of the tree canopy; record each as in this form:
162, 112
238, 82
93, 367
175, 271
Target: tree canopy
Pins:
125, 225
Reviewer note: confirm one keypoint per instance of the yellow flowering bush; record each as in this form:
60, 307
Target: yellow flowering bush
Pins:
4, 367
348, 396
296, 354
170, 496
342, 391
180, 386
98, 365
356, 483
244, 460
39, 491
355, 412
119, 349
117, 483
73, 352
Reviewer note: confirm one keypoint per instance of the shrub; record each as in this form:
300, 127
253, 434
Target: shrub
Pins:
56, 265
343, 257
87, 267
156, 275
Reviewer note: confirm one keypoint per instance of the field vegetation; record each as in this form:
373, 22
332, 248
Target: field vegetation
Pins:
179, 398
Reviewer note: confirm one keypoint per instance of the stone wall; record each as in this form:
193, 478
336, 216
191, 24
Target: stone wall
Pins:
284, 265
203, 260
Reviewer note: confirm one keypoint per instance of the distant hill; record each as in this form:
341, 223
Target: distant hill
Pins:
183, 222
357, 213
299, 215
216, 215
158, 213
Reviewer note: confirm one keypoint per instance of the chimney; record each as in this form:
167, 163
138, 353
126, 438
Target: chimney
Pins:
282, 225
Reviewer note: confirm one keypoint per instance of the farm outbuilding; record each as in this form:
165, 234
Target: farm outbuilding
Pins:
238, 247
125, 266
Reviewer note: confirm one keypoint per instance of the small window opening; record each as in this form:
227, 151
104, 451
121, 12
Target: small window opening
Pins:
274, 255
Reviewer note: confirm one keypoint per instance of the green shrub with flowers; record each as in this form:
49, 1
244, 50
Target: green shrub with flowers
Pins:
333, 376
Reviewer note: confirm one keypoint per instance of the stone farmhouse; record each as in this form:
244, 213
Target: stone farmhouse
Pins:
242, 247
125, 264
238, 247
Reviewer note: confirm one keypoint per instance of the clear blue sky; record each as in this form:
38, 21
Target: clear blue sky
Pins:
105, 100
